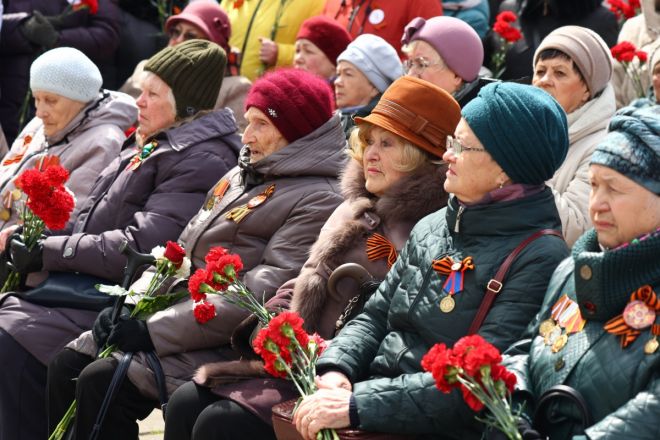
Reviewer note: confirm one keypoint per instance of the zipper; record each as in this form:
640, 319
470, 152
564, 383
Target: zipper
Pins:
457, 225
425, 283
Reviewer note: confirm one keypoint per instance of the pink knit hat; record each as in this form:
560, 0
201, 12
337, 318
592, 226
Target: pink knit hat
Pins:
326, 34
296, 102
455, 41
209, 17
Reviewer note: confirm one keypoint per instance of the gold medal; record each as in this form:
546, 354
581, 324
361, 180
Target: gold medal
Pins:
256, 201
5, 214
560, 343
546, 327
447, 304
651, 346
552, 335
638, 315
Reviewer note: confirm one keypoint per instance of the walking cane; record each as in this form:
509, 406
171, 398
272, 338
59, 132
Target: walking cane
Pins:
135, 260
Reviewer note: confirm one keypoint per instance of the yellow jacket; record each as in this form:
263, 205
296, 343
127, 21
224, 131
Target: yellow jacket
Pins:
252, 19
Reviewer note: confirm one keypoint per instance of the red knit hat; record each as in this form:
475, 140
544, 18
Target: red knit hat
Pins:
326, 34
296, 102
209, 17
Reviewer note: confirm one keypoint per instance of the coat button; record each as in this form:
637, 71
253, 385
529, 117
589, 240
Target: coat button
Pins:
68, 252
559, 364
585, 272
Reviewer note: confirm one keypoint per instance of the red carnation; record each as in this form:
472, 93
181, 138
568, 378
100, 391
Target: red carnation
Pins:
214, 254
194, 285
321, 343
175, 253
204, 312
286, 326
506, 31
224, 271
506, 16
624, 51
441, 363
92, 5
642, 56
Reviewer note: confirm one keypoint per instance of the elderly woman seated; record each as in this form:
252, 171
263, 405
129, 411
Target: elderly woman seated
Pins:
76, 121
574, 65
589, 362
510, 140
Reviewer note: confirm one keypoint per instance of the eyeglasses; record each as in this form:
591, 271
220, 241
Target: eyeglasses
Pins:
420, 64
457, 148
176, 32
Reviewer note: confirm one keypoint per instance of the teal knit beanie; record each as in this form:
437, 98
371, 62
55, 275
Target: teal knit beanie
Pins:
632, 146
194, 70
522, 127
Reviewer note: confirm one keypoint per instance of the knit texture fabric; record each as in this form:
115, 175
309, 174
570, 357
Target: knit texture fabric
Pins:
604, 280
326, 34
632, 146
455, 41
67, 72
296, 102
522, 127
375, 58
194, 70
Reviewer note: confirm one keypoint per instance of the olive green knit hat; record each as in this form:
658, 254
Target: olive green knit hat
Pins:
194, 70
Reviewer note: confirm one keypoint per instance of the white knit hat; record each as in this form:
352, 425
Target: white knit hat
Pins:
67, 72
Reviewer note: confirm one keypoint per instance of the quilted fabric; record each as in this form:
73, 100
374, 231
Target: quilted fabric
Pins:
381, 349
621, 386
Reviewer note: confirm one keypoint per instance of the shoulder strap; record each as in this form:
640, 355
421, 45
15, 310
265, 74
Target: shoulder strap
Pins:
495, 284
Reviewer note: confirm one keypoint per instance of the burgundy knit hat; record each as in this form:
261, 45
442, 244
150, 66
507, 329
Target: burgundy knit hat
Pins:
296, 102
326, 34
209, 17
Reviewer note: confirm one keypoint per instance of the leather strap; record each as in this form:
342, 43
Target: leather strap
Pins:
157, 368
566, 392
115, 383
496, 283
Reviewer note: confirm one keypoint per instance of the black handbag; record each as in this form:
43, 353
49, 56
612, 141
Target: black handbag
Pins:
69, 290
567, 395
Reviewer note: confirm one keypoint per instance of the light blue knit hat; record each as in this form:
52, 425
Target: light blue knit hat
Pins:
375, 58
67, 72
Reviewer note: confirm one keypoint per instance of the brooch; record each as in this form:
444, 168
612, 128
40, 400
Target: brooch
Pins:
639, 314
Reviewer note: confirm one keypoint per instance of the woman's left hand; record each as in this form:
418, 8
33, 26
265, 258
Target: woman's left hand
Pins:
326, 408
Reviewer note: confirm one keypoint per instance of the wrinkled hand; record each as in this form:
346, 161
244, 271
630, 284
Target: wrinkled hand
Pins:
268, 51
131, 335
327, 408
38, 30
333, 380
25, 260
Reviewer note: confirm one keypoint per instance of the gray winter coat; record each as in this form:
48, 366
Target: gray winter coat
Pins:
272, 240
84, 147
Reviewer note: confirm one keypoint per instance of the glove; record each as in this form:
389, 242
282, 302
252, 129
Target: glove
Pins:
103, 324
131, 335
24, 260
38, 30
524, 428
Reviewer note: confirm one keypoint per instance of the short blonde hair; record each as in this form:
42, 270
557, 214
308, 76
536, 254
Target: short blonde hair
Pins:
412, 157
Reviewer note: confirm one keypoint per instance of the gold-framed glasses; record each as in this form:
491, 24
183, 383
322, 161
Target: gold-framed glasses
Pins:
420, 64
457, 147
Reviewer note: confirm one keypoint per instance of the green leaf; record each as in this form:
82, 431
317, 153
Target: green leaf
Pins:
114, 290
149, 305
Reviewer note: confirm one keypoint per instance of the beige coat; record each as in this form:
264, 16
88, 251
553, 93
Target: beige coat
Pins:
644, 32
85, 147
586, 127
232, 93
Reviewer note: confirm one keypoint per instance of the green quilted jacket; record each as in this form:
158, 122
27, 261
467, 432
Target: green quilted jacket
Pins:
621, 386
381, 349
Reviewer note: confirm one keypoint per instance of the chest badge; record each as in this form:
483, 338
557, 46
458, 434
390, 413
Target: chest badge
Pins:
137, 160
455, 273
565, 319
240, 212
639, 314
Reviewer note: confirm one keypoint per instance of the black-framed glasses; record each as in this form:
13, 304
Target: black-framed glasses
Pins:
176, 32
420, 64
457, 148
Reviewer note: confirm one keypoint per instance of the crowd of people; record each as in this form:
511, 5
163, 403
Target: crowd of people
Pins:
374, 177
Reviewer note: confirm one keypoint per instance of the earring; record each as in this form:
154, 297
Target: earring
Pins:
501, 185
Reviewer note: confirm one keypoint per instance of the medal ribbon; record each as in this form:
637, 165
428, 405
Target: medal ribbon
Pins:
566, 314
238, 214
142, 155
618, 326
379, 247
19, 156
218, 193
454, 282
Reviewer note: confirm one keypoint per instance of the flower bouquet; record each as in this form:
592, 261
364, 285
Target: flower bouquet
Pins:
626, 53
49, 205
624, 9
474, 367
170, 261
507, 35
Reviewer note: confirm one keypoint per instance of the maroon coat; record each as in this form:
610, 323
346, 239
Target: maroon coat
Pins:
342, 240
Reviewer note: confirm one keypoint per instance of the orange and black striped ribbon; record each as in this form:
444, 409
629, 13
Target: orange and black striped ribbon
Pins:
443, 266
379, 247
618, 326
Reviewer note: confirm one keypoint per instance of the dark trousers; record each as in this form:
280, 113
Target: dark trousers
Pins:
22, 393
195, 413
93, 380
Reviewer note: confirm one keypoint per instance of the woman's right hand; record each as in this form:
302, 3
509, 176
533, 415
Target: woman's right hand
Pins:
332, 380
